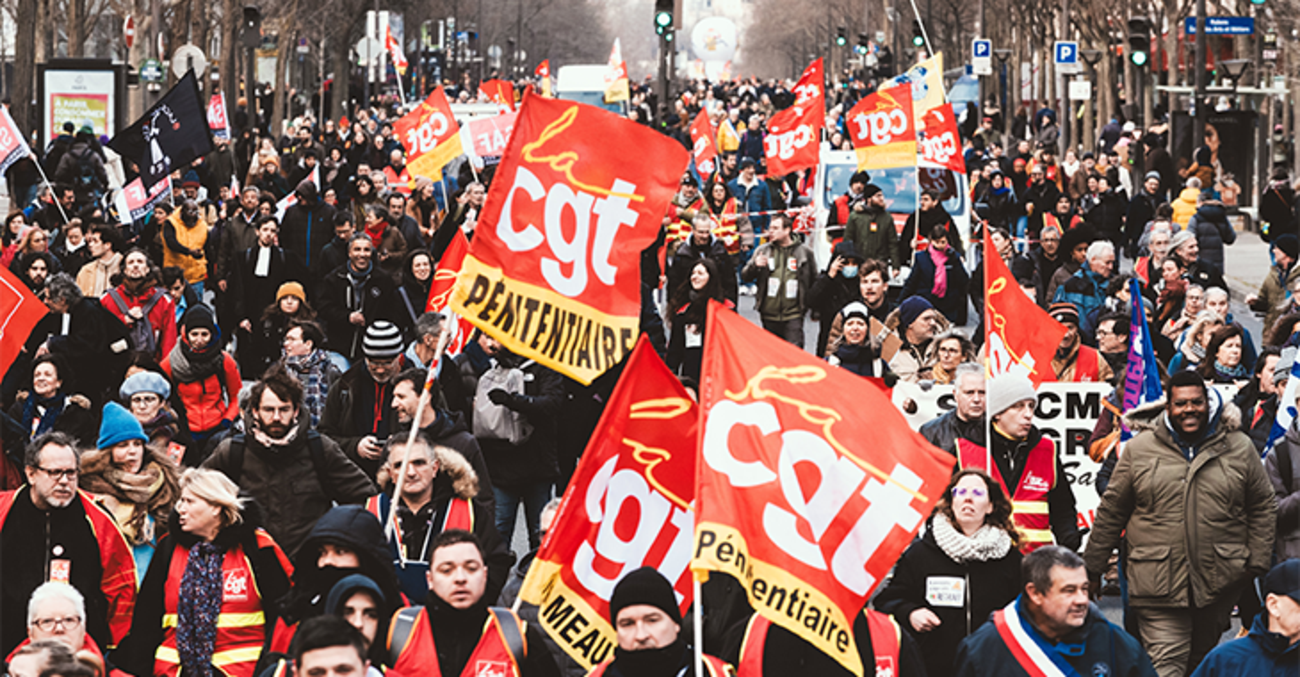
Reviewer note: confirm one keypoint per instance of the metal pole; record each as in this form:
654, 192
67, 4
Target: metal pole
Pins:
1066, 119
250, 87
1198, 62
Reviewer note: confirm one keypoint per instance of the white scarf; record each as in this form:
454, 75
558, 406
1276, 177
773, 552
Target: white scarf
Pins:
987, 543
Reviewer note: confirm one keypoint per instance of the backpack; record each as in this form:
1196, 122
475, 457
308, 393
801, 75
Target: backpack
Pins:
140, 334
493, 421
86, 181
316, 450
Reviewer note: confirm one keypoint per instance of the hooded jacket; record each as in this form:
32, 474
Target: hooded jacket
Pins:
872, 231
352, 527
1262, 653
308, 225
286, 481
1210, 226
1197, 518
1283, 466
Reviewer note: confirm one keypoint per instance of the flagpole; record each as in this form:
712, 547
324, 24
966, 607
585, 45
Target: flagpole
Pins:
40, 169
698, 604
988, 361
415, 429
400, 90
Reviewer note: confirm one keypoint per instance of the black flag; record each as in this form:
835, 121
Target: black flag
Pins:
171, 135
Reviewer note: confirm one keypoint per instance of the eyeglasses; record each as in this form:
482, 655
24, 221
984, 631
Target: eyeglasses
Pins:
50, 624
58, 474
961, 492
949, 351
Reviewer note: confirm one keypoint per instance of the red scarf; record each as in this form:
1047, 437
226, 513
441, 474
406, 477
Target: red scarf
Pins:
377, 237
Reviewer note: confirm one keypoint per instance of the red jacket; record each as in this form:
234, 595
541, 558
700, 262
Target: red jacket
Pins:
162, 317
210, 401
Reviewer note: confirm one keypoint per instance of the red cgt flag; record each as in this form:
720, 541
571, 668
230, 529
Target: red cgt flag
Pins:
1026, 344
20, 310
882, 129
628, 506
430, 135
553, 271
704, 144
543, 74
941, 144
444, 280
794, 134
498, 91
810, 483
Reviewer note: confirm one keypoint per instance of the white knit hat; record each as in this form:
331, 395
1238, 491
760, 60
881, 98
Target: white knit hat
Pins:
1008, 389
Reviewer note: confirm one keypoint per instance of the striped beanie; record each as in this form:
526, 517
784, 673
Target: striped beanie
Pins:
383, 341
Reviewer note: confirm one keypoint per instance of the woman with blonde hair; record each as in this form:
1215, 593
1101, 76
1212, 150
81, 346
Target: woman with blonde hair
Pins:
202, 608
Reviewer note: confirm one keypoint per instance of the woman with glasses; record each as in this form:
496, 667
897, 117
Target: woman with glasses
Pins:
201, 609
948, 350
962, 568
136, 484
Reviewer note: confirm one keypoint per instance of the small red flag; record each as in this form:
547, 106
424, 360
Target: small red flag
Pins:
20, 310
1025, 344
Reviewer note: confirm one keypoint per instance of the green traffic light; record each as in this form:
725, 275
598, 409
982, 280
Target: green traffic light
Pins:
918, 40
840, 41
1139, 58
664, 19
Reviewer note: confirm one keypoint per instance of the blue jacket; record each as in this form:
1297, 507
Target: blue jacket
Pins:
1259, 654
1097, 648
753, 199
1087, 291
921, 281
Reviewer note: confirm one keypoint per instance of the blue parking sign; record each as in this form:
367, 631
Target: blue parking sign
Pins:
982, 49
1066, 53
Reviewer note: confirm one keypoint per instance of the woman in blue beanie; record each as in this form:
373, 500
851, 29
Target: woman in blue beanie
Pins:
133, 482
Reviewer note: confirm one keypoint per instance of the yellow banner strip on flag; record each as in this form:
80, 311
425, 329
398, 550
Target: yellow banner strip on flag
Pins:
777, 594
586, 636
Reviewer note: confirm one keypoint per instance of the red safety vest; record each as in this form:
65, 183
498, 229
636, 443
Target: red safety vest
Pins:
1085, 366
399, 182
842, 210
726, 230
678, 229
118, 581
716, 667
1029, 501
460, 515
500, 650
886, 640
241, 625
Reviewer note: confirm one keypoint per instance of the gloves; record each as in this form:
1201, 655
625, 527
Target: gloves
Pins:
502, 398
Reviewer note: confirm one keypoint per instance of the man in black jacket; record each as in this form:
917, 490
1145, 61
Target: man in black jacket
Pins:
85, 334
359, 413
445, 428
1141, 210
355, 295
702, 245
308, 225
966, 421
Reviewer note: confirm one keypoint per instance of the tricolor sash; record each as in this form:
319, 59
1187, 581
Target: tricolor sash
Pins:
1030, 650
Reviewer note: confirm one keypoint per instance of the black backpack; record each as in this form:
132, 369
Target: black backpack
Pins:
87, 180
315, 447
140, 333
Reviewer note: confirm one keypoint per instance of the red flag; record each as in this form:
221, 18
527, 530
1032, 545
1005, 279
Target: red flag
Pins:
882, 129
430, 135
1025, 344
20, 310
543, 74
498, 91
810, 483
794, 134
444, 279
395, 50
627, 506
553, 271
941, 144
704, 142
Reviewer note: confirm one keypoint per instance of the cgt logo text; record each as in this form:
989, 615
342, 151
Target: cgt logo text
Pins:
880, 126
784, 145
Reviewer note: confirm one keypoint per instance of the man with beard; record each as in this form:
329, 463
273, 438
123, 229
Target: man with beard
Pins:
1073, 360
1052, 612
871, 229
52, 532
455, 625
238, 234
1197, 511
440, 492
293, 473
145, 309
308, 225
184, 235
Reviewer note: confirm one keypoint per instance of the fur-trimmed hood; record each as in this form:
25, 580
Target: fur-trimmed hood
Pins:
1224, 415
452, 466
79, 400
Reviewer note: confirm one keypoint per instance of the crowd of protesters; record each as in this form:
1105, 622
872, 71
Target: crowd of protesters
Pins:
205, 436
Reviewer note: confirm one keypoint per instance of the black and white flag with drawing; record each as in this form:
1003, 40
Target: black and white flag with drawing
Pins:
171, 135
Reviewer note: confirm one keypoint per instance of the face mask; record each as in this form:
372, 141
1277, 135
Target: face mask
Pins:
850, 271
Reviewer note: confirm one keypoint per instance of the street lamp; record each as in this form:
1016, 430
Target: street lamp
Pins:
1002, 55
1235, 68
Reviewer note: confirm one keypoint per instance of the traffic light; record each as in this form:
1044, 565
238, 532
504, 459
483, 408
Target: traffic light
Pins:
863, 43
663, 16
841, 37
251, 28
1139, 41
918, 38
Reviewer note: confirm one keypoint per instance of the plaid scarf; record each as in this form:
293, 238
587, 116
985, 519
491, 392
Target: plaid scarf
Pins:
198, 607
310, 370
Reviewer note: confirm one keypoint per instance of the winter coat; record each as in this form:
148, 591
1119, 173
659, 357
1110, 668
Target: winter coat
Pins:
534, 461
69, 171
1283, 467
308, 226
1185, 206
161, 318
1087, 291
1260, 654
1141, 210
237, 236
1273, 299
753, 198
529, 612
1194, 529
944, 431
1210, 226
289, 486
96, 347
1275, 210
212, 401
339, 420
921, 283
183, 246
989, 586
873, 233
378, 301
688, 253
805, 272
77, 419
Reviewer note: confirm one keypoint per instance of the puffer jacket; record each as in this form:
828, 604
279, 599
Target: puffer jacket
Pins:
1283, 466
1210, 226
1185, 206
1194, 529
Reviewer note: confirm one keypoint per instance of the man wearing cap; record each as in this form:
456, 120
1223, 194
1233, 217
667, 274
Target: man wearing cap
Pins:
871, 229
1270, 648
1026, 464
916, 323
685, 205
1185, 246
1197, 512
1142, 208
1051, 629
1086, 289
455, 632
1074, 361
1273, 297
839, 212
359, 407
648, 624
966, 420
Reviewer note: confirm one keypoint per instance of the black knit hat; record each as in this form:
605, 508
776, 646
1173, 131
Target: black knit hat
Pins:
870, 190
644, 586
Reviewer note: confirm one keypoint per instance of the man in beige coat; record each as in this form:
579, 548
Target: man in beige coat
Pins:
1192, 501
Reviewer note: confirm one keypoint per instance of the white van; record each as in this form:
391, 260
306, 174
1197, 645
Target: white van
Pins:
586, 84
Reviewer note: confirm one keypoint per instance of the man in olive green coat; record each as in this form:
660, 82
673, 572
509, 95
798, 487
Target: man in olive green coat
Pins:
1192, 501
871, 229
